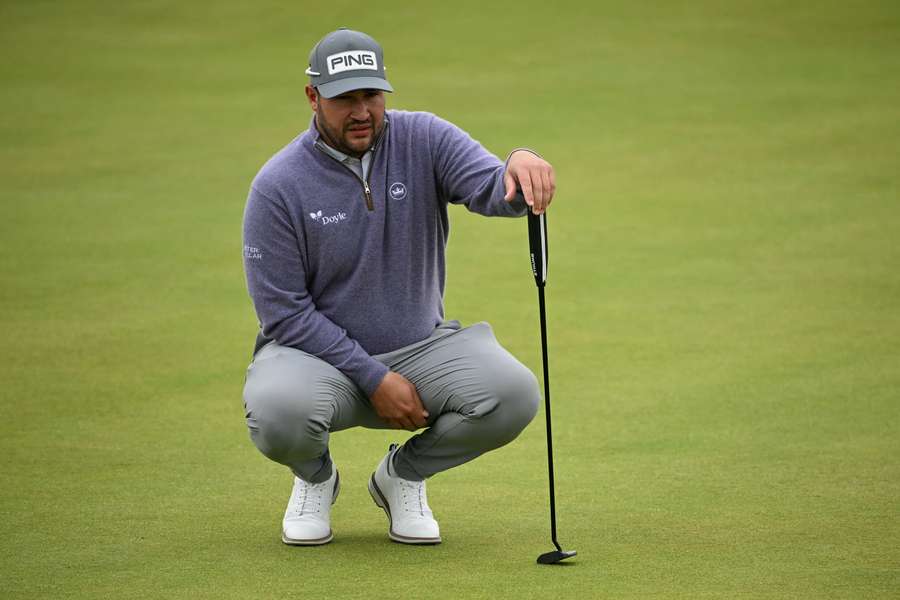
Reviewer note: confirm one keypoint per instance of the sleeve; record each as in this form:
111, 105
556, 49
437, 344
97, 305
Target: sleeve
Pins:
276, 280
468, 174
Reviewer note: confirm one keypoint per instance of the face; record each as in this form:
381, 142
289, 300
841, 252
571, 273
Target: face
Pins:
350, 122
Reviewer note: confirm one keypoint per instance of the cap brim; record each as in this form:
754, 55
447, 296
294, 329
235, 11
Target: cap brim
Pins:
341, 86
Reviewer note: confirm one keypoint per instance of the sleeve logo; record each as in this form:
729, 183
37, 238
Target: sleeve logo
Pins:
352, 60
252, 252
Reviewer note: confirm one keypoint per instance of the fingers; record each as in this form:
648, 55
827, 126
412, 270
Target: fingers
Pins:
418, 414
534, 177
549, 187
527, 189
537, 193
543, 186
411, 421
403, 423
399, 405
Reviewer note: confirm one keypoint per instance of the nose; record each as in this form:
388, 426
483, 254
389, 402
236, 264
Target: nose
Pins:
360, 110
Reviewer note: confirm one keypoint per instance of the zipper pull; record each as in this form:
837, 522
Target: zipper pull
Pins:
369, 204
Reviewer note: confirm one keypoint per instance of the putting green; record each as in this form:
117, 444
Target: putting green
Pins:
722, 300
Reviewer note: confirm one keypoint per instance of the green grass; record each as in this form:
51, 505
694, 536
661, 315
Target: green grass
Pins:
723, 300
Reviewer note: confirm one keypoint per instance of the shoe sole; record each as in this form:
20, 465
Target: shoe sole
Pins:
382, 503
320, 541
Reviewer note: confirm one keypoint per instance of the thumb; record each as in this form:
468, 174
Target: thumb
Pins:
510, 183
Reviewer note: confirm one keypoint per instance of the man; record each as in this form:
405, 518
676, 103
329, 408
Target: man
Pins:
344, 237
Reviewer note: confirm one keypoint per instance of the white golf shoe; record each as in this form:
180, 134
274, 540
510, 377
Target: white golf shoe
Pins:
405, 503
307, 520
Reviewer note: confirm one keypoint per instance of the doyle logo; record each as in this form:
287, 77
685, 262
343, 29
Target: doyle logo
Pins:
318, 218
351, 60
398, 191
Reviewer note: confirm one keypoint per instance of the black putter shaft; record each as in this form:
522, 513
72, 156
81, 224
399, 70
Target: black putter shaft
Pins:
537, 241
549, 420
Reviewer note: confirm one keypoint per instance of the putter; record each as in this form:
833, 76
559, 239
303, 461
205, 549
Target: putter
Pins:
537, 241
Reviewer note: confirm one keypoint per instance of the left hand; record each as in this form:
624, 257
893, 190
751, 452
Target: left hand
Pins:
534, 176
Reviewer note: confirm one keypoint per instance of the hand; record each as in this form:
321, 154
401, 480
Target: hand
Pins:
397, 402
534, 176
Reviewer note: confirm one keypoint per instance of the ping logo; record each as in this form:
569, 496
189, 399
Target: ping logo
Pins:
351, 60
398, 191
324, 220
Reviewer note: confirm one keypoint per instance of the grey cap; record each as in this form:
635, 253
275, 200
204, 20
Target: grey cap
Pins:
347, 60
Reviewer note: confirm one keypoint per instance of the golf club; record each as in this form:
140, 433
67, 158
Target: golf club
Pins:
537, 241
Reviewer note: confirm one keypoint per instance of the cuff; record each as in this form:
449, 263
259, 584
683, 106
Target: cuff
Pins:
370, 378
514, 150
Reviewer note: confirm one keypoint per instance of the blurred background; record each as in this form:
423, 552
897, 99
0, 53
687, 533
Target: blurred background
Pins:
722, 302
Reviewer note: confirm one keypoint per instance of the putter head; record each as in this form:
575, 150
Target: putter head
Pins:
551, 558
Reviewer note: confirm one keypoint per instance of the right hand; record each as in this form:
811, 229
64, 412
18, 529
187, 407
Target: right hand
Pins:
397, 402
533, 175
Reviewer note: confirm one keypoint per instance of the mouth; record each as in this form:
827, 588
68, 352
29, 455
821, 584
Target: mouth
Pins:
359, 130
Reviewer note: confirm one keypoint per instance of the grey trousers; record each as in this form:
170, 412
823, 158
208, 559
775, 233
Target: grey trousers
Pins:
478, 397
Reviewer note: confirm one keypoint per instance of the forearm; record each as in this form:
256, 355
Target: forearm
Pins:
469, 174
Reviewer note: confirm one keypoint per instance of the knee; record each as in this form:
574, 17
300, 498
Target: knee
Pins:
517, 399
521, 399
286, 422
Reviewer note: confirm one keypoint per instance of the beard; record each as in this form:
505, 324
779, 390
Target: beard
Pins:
337, 139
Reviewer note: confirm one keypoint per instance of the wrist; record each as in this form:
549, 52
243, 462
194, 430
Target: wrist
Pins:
374, 378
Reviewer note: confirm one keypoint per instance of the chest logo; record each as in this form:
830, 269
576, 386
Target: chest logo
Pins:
326, 220
398, 191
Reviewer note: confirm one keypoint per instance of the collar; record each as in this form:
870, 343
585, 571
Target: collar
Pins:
344, 158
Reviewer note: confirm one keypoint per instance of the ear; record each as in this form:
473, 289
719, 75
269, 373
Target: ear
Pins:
312, 96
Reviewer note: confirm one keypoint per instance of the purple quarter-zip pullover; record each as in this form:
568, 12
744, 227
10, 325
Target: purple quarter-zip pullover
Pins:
344, 269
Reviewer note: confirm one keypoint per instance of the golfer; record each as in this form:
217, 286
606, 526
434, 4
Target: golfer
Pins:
345, 231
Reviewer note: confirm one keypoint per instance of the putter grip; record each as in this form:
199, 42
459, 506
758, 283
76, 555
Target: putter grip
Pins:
537, 242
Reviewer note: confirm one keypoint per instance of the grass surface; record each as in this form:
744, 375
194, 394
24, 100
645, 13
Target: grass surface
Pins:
723, 300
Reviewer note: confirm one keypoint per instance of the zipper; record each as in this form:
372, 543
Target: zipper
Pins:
366, 189
369, 204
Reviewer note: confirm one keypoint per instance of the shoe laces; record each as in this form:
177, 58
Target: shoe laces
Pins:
308, 497
412, 496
